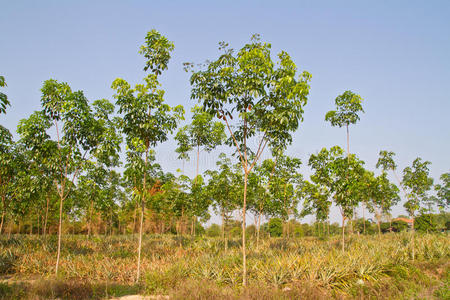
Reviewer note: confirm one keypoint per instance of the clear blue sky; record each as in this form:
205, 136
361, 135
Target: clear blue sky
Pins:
395, 54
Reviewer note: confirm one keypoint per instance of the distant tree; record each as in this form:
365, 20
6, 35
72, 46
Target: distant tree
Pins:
443, 192
222, 189
383, 195
348, 105
417, 184
285, 188
202, 132
147, 120
341, 176
316, 201
266, 98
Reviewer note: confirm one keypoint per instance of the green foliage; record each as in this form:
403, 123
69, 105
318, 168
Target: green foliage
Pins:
213, 231
275, 227
443, 192
417, 183
386, 161
4, 102
348, 105
425, 223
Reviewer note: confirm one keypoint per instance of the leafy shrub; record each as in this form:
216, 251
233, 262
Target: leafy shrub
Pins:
275, 227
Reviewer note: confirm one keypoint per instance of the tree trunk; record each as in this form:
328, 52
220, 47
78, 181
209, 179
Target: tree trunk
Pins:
258, 229
244, 258
343, 233
378, 216
134, 221
90, 218
140, 242
364, 219
348, 144
3, 214
412, 239
59, 232
144, 193
198, 158
46, 216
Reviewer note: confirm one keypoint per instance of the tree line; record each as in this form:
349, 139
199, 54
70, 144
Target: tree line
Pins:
65, 167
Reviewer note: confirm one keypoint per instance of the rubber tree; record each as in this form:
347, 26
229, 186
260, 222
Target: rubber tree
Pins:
77, 137
221, 190
147, 120
286, 184
315, 201
340, 175
4, 102
386, 163
265, 99
383, 195
348, 105
417, 184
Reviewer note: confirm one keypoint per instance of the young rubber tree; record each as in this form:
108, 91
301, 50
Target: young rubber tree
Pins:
341, 176
77, 137
285, 187
417, 185
348, 105
266, 100
147, 120
4, 102
382, 196
315, 201
386, 162
221, 190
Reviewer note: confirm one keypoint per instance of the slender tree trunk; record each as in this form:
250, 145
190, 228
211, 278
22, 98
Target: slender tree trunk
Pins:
140, 242
1, 223
90, 218
378, 216
343, 233
348, 144
38, 232
412, 239
134, 221
244, 257
198, 158
10, 229
258, 229
3, 214
46, 216
59, 231
364, 219
144, 193
328, 225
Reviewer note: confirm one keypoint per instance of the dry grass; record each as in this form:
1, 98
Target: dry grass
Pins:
199, 268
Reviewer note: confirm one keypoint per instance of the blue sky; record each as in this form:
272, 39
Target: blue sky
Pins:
395, 54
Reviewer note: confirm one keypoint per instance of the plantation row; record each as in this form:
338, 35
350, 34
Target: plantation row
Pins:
63, 169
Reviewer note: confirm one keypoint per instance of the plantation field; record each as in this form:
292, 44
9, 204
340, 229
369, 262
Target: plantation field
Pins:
103, 267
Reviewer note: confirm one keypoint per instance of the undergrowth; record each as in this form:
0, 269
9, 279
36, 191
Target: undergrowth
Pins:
200, 268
